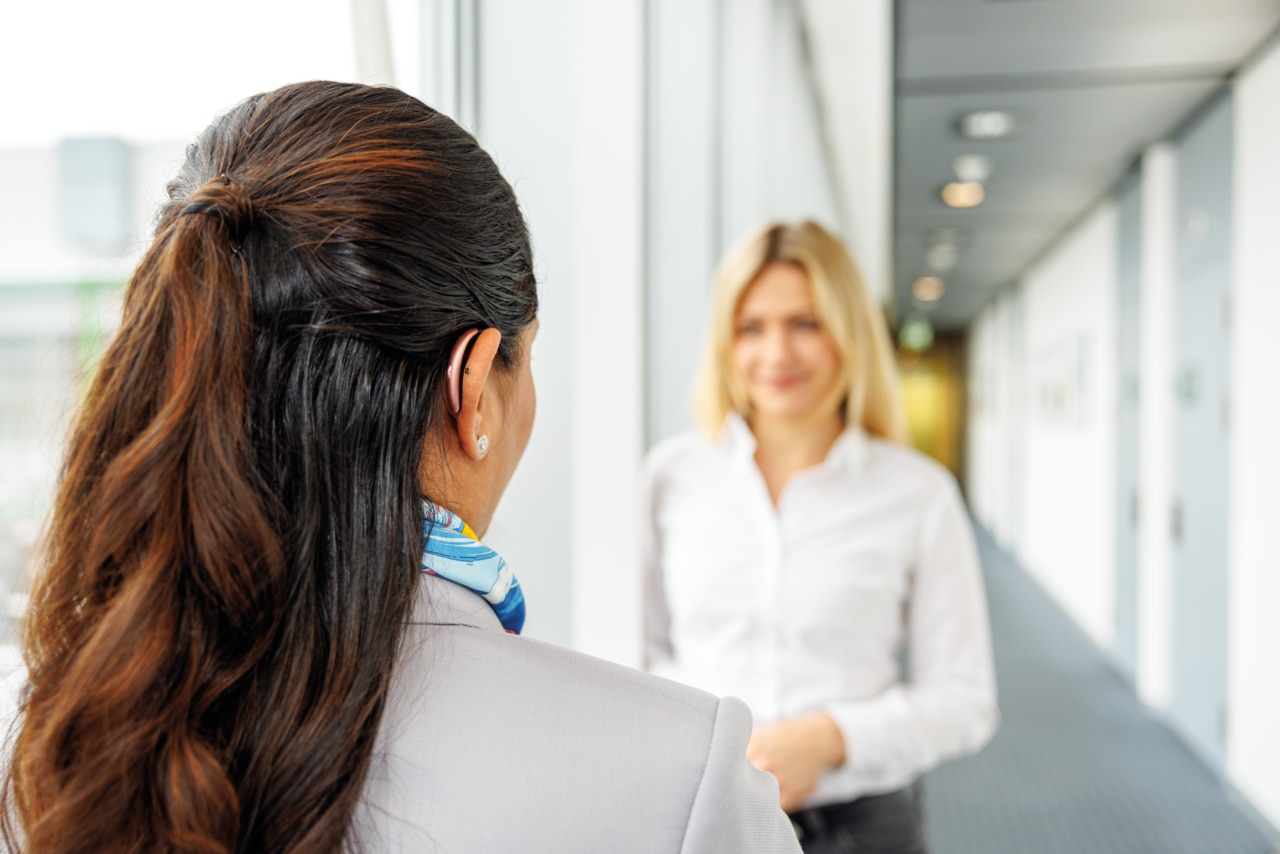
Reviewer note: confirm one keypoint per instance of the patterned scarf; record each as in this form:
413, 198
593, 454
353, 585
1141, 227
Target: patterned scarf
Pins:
456, 553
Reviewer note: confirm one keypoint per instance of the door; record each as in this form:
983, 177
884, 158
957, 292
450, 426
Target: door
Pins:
1198, 519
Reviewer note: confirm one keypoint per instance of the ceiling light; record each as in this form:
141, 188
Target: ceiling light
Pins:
963, 194
916, 334
972, 168
988, 124
942, 257
928, 288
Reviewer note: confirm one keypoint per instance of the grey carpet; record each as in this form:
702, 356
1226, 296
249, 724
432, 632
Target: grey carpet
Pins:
1079, 765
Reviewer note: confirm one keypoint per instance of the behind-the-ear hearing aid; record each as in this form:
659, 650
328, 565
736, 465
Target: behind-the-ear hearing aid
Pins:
453, 373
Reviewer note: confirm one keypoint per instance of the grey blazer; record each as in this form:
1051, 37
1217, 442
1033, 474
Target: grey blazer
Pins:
496, 743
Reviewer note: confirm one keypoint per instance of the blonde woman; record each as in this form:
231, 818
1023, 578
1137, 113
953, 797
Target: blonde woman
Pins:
795, 545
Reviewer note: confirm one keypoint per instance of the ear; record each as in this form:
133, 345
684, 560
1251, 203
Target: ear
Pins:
475, 378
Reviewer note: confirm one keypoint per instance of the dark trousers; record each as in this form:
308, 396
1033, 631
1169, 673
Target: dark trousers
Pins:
885, 824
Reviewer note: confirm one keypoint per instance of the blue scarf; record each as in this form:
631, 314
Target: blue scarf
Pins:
455, 552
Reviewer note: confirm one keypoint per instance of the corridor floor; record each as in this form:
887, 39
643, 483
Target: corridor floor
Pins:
1079, 766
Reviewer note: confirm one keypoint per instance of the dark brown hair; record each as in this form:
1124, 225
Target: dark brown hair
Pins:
236, 536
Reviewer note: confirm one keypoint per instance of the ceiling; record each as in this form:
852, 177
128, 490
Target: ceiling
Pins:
1094, 81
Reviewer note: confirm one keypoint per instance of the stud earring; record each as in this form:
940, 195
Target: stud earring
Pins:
482, 445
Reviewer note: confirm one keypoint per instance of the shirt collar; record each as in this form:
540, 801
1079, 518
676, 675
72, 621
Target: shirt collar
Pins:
849, 451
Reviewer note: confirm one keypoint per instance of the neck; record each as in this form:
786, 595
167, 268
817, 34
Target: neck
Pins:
467, 511
787, 446
448, 478
800, 439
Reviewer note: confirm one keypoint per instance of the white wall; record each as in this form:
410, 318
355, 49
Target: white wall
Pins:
1068, 488
1042, 422
996, 440
1253, 743
560, 106
608, 324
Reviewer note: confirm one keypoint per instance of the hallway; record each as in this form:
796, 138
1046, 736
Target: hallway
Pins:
1079, 766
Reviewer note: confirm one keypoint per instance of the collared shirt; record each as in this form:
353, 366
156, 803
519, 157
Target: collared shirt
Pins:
804, 608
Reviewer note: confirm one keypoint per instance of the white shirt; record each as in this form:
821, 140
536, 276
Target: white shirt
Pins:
804, 608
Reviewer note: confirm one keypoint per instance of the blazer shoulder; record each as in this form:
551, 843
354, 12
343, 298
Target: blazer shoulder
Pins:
585, 755
612, 683
728, 806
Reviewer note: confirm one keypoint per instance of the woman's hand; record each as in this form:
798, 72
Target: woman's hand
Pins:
797, 752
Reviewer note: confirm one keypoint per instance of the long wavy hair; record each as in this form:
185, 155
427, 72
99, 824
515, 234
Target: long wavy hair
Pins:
867, 391
234, 545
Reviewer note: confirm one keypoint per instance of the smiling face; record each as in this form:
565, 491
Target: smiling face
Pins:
781, 356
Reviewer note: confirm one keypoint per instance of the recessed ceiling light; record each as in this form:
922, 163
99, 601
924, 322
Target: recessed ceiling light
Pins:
942, 256
988, 124
975, 168
928, 288
963, 194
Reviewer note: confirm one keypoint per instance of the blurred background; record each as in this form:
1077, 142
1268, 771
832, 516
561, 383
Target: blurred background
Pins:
1068, 208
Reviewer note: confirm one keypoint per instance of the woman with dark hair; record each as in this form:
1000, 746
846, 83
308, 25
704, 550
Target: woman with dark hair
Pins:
261, 623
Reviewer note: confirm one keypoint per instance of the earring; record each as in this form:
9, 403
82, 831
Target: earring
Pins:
482, 445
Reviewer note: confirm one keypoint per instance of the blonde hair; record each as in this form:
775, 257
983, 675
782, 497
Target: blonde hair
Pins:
846, 312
